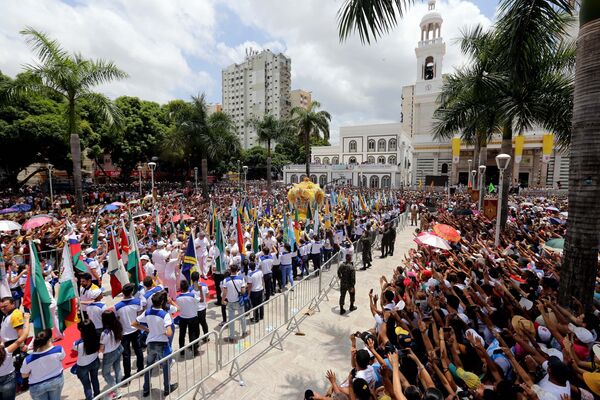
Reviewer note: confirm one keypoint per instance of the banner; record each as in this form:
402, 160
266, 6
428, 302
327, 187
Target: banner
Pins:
474, 195
519, 143
547, 147
455, 150
490, 208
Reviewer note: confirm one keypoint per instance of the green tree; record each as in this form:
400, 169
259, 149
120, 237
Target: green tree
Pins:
270, 130
71, 77
309, 122
580, 257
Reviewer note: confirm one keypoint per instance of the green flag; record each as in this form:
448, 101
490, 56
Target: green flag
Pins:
255, 237
308, 214
220, 245
133, 258
491, 188
38, 294
95, 237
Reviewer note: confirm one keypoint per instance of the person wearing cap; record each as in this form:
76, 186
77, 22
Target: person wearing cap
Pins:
93, 266
589, 372
149, 269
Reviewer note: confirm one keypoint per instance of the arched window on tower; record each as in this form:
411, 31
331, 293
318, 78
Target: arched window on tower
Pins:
326, 160
444, 168
352, 160
352, 146
392, 145
381, 160
381, 145
370, 160
294, 178
335, 161
429, 72
371, 145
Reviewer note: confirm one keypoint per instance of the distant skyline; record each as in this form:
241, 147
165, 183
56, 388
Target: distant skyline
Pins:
177, 48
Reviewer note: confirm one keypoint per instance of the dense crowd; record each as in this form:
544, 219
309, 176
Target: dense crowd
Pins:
171, 301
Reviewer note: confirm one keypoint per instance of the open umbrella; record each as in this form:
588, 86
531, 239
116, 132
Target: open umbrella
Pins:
552, 208
117, 203
556, 221
36, 222
556, 245
446, 232
185, 217
6, 226
429, 239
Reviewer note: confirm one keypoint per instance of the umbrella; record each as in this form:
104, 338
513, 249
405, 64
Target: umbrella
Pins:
556, 245
185, 217
526, 204
556, 221
552, 208
6, 226
37, 221
432, 240
446, 232
117, 203
9, 210
110, 207
564, 214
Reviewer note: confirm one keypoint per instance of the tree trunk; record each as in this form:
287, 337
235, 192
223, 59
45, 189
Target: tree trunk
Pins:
269, 173
580, 259
307, 149
482, 155
205, 177
506, 148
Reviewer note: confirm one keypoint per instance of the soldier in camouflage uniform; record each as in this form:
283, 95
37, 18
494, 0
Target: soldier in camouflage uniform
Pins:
347, 275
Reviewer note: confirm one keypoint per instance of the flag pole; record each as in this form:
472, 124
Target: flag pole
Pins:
34, 257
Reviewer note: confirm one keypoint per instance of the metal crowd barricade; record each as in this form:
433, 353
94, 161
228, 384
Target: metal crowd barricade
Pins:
275, 317
190, 373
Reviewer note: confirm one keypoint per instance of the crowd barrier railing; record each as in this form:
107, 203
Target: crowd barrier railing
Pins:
224, 350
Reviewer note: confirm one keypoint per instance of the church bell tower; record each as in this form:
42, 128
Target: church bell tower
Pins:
430, 52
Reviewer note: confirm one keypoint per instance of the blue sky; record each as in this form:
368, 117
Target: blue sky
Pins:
177, 48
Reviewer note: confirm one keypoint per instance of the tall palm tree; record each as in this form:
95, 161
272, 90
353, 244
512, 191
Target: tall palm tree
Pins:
201, 137
308, 123
270, 129
580, 258
71, 77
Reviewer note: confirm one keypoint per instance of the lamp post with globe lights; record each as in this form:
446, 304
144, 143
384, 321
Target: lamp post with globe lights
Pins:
502, 161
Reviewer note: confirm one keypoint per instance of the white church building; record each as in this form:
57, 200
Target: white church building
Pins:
405, 153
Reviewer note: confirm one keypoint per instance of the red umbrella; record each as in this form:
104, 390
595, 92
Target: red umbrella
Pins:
36, 222
185, 217
447, 232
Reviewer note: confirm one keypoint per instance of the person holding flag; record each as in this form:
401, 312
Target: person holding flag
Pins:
190, 260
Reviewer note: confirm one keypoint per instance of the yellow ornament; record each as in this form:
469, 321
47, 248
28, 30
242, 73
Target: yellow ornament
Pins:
304, 193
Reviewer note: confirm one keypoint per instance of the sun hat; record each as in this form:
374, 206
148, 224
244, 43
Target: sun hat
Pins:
584, 335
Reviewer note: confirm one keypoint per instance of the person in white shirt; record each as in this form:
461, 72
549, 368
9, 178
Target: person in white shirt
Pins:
172, 273
93, 266
8, 384
201, 244
234, 287
265, 263
94, 312
110, 345
159, 327
149, 269
315, 252
127, 311
44, 367
159, 258
200, 289
88, 362
88, 291
285, 259
187, 305
256, 287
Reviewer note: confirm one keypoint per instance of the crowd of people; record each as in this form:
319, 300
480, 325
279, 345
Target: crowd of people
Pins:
170, 302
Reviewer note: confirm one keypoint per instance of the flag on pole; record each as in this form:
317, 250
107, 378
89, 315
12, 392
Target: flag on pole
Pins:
309, 215
255, 237
316, 221
95, 236
157, 222
76, 253
220, 243
233, 211
291, 236
134, 263
37, 294
296, 227
491, 188
240, 236
190, 261
66, 300
116, 269
349, 213
4, 286
124, 243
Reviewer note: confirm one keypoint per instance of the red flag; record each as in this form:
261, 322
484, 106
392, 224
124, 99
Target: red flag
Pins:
118, 275
240, 236
27, 294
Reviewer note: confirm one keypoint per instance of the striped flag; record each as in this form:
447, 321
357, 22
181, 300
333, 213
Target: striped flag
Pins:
66, 301
190, 261
134, 264
36, 295
240, 236
220, 243
116, 269
76, 253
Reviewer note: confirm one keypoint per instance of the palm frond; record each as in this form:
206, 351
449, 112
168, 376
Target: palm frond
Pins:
97, 72
46, 49
370, 18
106, 107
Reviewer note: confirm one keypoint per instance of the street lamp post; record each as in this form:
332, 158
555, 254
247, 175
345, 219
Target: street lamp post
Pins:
196, 178
502, 161
482, 169
245, 168
473, 179
469, 177
139, 168
152, 166
50, 167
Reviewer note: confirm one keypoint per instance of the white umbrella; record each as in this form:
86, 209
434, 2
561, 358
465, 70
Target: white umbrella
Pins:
564, 214
432, 240
552, 208
6, 226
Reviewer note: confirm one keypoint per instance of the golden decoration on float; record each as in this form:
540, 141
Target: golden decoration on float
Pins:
304, 193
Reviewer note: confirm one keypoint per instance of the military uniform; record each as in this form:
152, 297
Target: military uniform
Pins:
347, 275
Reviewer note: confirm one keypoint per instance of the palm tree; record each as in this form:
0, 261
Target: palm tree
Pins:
199, 137
580, 258
71, 77
270, 129
309, 122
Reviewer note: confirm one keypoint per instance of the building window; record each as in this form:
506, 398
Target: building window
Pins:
392, 160
323, 180
385, 182
326, 160
381, 145
364, 181
317, 160
302, 177
374, 182
352, 146
444, 168
381, 160
392, 145
294, 178
335, 161
371, 145
352, 160
313, 178
370, 160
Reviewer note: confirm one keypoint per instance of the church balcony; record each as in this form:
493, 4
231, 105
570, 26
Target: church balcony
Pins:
430, 42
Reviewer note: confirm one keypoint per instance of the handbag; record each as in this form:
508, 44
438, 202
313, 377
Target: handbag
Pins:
243, 299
